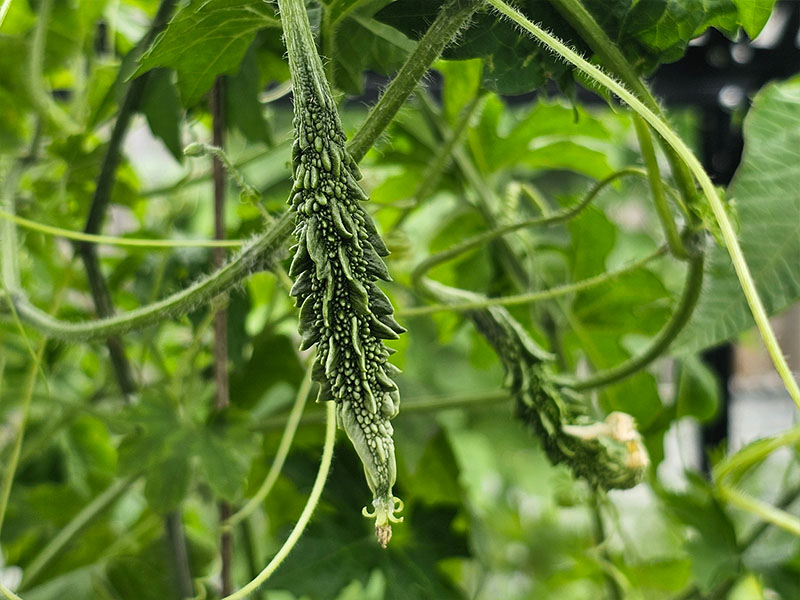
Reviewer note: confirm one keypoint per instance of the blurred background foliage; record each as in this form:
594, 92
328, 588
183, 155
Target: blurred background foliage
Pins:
486, 515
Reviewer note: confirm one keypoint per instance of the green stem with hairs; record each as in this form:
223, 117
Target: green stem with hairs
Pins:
263, 247
305, 516
249, 193
696, 169
10, 468
763, 510
734, 467
611, 56
537, 296
451, 18
671, 232
272, 155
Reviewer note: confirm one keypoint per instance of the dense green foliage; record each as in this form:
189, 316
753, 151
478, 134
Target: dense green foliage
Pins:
546, 259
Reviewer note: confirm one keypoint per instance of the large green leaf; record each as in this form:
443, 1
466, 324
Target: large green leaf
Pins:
207, 38
648, 33
765, 193
712, 548
339, 546
513, 62
162, 108
754, 14
361, 43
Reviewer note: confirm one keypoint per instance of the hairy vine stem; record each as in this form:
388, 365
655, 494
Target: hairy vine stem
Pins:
728, 234
251, 257
537, 296
305, 516
451, 18
671, 232
581, 19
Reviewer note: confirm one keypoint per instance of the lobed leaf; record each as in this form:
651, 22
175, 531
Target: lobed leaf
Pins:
204, 39
764, 191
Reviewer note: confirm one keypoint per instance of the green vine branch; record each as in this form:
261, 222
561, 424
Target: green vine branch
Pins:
73, 528
453, 16
552, 219
10, 468
411, 405
252, 256
688, 158
112, 240
305, 516
292, 422
691, 293
764, 510
537, 296
581, 19
659, 196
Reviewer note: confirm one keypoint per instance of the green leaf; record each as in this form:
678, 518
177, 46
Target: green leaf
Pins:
698, 391
669, 575
339, 545
648, 32
754, 14
207, 38
549, 135
126, 573
594, 236
168, 481
747, 588
764, 191
462, 80
162, 108
569, 156
243, 109
88, 452
361, 43
712, 546
223, 460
